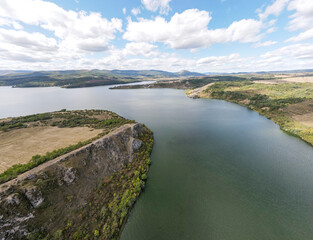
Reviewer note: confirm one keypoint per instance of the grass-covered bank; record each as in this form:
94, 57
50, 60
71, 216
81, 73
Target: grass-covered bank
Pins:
288, 104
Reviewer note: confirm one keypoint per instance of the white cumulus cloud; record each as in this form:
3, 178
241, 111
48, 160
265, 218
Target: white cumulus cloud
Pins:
295, 51
264, 44
219, 60
155, 5
136, 11
79, 31
189, 30
302, 19
136, 49
302, 36
275, 9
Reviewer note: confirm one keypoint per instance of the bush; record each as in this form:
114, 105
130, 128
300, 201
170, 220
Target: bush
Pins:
97, 233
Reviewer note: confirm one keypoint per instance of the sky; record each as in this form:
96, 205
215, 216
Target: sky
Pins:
171, 35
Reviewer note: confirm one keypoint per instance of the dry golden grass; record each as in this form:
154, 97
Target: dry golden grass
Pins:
18, 146
293, 79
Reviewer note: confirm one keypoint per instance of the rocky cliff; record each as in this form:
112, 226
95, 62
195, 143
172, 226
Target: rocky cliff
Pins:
85, 194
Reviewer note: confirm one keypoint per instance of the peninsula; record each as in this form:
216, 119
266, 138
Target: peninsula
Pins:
81, 191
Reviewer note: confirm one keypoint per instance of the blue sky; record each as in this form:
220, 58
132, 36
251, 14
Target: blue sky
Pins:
172, 35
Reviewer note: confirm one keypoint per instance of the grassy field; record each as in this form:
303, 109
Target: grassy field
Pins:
288, 104
18, 147
26, 142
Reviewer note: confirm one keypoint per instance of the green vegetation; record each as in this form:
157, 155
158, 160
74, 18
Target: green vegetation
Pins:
62, 119
275, 101
246, 90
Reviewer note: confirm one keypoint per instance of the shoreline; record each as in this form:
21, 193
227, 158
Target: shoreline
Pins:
280, 117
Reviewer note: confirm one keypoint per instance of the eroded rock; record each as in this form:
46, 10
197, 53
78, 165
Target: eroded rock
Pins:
69, 175
136, 144
13, 199
34, 196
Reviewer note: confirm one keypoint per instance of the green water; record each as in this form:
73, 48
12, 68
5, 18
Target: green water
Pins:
219, 171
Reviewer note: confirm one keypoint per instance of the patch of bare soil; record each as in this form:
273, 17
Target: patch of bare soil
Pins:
305, 119
18, 146
246, 101
302, 112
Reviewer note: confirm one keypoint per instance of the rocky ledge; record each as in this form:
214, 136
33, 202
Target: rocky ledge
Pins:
86, 193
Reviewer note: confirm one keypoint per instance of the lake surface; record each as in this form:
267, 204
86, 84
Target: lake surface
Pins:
219, 171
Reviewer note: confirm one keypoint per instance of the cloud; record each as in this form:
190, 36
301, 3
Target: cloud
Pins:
303, 17
275, 9
29, 47
155, 5
165, 61
302, 36
188, 30
295, 51
144, 49
9, 23
297, 56
17, 45
79, 30
136, 11
264, 44
35, 41
271, 30
220, 60
67, 39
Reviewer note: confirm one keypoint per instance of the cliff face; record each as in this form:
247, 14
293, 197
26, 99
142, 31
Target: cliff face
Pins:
52, 200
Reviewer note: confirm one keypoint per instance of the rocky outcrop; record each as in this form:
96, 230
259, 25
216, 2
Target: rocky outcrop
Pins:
44, 196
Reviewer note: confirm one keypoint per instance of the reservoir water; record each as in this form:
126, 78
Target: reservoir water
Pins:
219, 171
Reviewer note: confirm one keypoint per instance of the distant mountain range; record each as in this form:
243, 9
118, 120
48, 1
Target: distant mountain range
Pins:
131, 73
90, 78
135, 73
84, 78
7, 72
